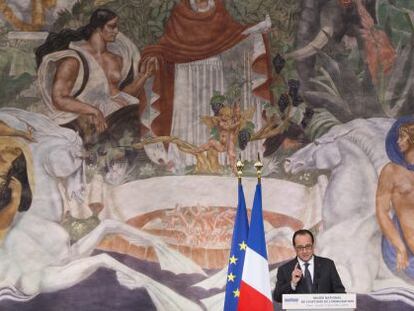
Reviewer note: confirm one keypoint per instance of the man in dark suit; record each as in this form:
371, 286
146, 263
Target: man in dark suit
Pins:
307, 273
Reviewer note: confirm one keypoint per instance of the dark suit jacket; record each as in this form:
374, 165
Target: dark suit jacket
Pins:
325, 280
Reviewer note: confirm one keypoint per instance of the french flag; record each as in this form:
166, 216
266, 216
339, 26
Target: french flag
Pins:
255, 293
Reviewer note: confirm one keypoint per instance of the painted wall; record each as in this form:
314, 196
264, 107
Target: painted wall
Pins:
130, 204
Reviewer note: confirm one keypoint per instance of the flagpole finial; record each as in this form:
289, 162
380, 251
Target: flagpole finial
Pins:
258, 165
239, 167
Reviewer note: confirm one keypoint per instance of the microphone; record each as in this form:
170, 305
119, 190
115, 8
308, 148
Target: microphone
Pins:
316, 284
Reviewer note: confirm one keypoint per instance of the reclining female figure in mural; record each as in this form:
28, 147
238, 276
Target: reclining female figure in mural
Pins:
395, 192
88, 74
36, 255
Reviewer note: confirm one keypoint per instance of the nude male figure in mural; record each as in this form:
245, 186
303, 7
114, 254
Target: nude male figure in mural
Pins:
396, 191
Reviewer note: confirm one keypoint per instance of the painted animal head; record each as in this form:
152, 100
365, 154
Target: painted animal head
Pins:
317, 155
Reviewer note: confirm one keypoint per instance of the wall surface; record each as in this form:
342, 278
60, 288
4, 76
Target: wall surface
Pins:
119, 139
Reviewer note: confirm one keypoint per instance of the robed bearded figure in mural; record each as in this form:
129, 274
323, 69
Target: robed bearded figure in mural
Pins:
395, 194
194, 54
88, 74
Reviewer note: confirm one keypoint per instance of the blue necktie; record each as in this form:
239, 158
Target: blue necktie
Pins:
308, 279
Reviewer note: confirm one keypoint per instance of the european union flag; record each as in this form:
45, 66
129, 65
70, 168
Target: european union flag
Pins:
237, 252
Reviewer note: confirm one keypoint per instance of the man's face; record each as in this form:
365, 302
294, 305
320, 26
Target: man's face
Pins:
110, 30
404, 142
304, 246
202, 5
7, 156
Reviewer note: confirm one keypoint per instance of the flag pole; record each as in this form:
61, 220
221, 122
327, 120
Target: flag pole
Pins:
258, 166
239, 168
238, 247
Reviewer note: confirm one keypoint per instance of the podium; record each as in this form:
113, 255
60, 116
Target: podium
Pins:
319, 302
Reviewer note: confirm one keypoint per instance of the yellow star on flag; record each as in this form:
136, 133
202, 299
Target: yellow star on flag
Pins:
236, 293
231, 277
233, 259
243, 246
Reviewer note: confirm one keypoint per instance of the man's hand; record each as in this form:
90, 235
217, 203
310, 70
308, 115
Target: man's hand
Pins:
149, 66
98, 120
152, 66
402, 258
262, 27
296, 275
29, 134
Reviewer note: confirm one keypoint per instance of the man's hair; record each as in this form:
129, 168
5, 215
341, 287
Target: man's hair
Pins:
408, 128
302, 232
61, 40
18, 169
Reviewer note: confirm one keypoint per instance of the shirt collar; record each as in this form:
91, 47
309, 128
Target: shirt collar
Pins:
310, 261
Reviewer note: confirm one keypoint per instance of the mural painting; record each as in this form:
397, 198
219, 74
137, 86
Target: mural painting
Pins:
121, 123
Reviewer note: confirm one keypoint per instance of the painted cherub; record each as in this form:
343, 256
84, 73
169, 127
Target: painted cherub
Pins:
228, 123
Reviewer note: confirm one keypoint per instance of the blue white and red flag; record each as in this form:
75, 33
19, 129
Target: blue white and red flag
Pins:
255, 293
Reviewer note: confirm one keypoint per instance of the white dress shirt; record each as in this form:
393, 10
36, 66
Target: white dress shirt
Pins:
311, 266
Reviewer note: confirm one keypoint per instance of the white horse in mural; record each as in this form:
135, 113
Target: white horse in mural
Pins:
354, 153
352, 174
36, 255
